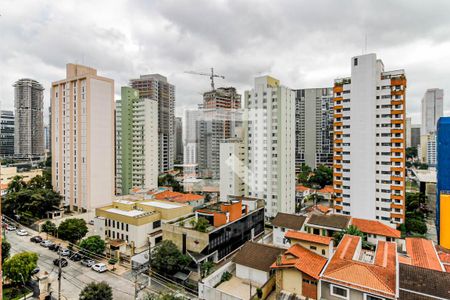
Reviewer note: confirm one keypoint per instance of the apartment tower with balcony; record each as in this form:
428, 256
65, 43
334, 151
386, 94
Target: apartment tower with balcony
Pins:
156, 87
136, 149
369, 142
83, 138
270, 144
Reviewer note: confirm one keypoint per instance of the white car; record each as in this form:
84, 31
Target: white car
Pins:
46, 243
11, 227
22, 232
64, 252
100, 267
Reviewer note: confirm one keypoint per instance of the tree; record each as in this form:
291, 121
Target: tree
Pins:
351, 230
201, 225
167, 259
206, 267
93, 244
169, 180
411, 152
322, 176
49, 227
163, 297
18, 268
97, 291
72, 230
415, 225
303, 176
6, 247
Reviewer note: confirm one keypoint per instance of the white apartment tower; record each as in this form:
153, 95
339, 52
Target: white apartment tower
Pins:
270, 143
232, 168
432, 110
369, 142
136, 146
83, 138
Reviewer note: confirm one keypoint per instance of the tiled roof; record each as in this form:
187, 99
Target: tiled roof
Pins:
304, 236
378, 277
303, 260
423, 254
257, 256
177, 197
333, 220
328, 189
416, 282
322, 208
301, 188
375, 227
290, 221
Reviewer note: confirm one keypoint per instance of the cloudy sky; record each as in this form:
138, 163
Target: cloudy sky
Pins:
302, 43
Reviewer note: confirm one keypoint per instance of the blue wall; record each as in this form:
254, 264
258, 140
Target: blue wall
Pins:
443, 164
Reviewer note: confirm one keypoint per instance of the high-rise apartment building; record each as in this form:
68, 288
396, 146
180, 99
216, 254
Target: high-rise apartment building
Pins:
6, 133
136, 147
232, 168
313, 127
369, 142
216, 119
415, 135
156, 87
178, 140
29, 118
83, 138
432, 110
443, 182
270, 144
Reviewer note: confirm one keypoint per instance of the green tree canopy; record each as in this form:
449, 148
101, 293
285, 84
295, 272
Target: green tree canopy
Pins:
33, 199
411, 152
72, 230
414, 225
167, 259
49, 227
201, 225
164, 296
351, 230
18, 268
169, 180
6, 247
97, 291
93, 244
303, 176
322, 176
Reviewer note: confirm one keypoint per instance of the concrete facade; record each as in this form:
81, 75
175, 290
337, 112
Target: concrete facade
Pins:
136, 150
29, 118
369, 142
6, 133
270, 143
313, 127
83, 138
156, 87
232, 168
432, 109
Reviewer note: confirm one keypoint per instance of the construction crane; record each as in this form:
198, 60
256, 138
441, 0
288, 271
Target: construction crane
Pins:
211, 76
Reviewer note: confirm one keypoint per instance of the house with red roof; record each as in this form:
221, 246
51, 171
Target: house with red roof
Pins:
188, 198
357, 273
422, 253
376, 231
297, 273
322, 245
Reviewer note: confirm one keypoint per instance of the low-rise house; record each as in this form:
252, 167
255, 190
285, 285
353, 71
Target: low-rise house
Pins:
326, 192
298, 273
281, 224
131, 222
229, 225
356, 273
423, 284
193, 200
421, 253
326, 225
319, 209
249, 270
376, 231
322, 245
301, 192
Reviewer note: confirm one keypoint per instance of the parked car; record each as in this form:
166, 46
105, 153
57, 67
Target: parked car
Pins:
53, 247
46, 243
64, 262
11, 227
88, 262
91, 222
64, 252
100, 267
36, 239
35, 271
22, 232
76, 257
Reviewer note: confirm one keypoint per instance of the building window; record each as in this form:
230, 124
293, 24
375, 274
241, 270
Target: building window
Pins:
126, 227
323, 251
355, 62
157, 224
339, 292
313, 247
370, 297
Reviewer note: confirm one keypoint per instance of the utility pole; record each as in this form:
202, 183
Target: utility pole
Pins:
59, 272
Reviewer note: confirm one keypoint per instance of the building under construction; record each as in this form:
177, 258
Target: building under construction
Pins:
29, 118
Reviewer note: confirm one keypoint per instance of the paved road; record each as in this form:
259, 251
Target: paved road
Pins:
75, 275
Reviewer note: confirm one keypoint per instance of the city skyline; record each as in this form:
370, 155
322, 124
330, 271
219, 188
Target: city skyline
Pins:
177, 42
